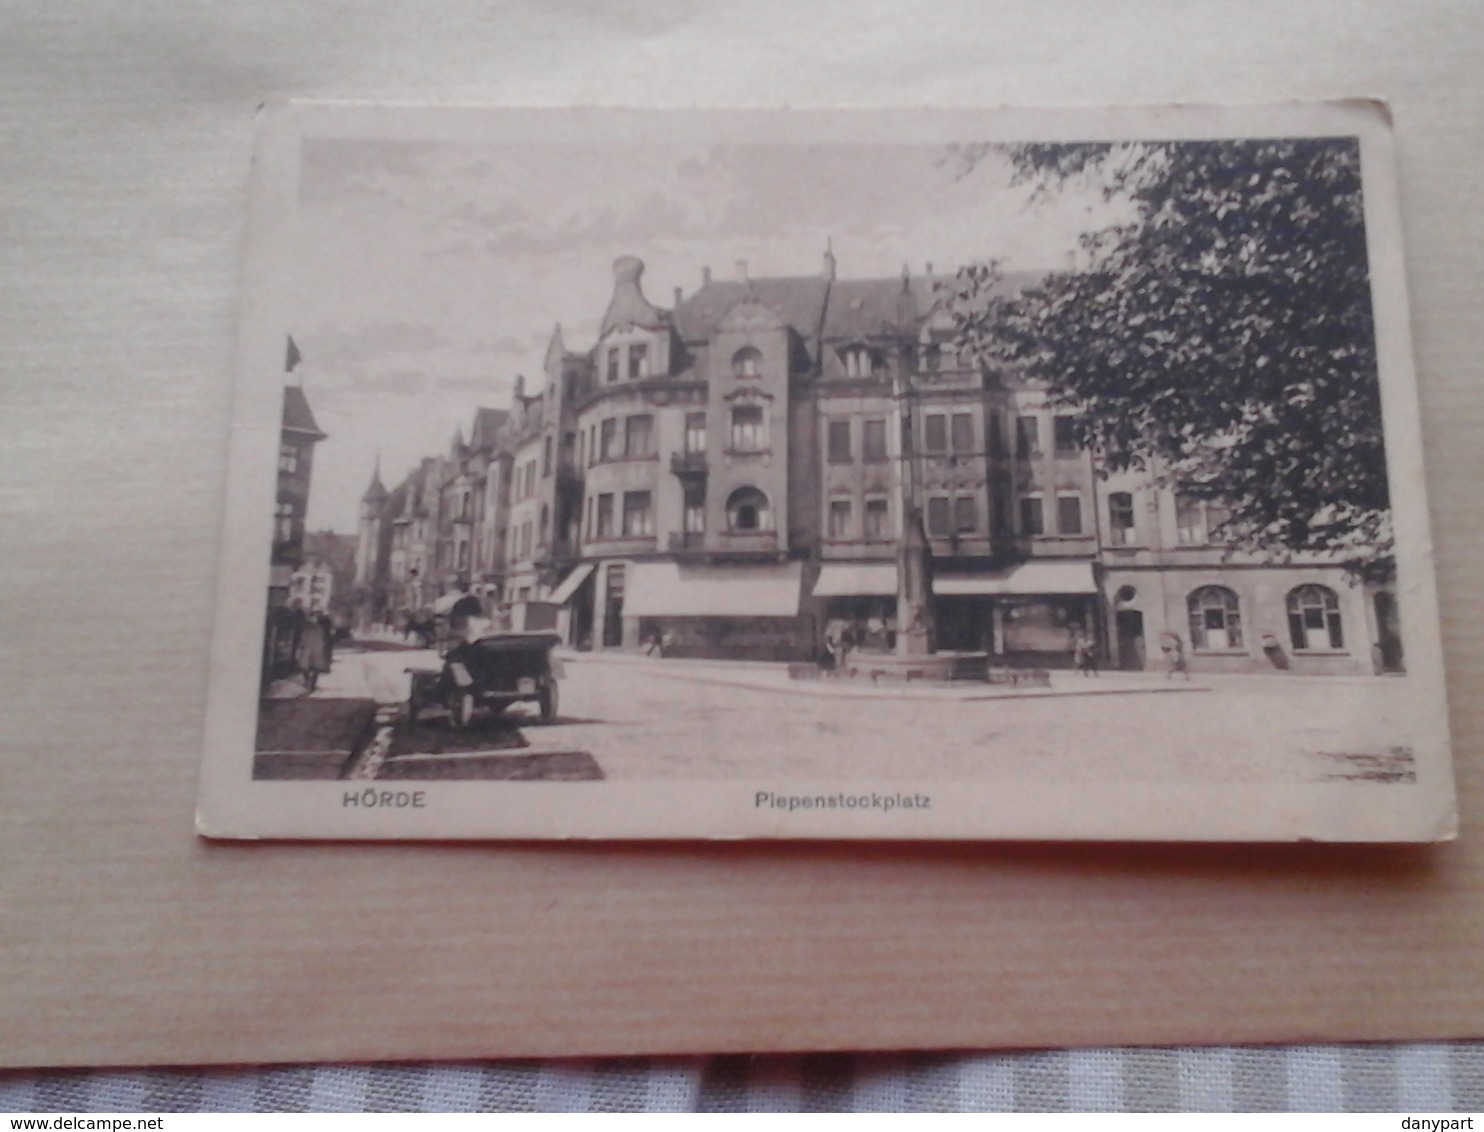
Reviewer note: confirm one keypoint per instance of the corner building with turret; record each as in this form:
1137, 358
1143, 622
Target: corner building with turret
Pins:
730, 477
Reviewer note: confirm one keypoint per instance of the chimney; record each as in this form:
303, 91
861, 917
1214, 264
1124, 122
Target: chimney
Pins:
742, 270
929, 271
677, 296
705, 276
829, 259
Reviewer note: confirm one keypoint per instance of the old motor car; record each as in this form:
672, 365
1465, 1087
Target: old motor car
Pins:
490, 672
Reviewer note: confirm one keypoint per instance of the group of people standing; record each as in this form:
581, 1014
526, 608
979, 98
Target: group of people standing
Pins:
842, 637
300, 645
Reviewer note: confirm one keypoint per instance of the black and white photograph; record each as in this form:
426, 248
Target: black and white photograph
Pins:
806, 474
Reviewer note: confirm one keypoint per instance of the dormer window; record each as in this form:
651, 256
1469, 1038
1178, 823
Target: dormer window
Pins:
860, 361
747, 362
638, 361
612, 363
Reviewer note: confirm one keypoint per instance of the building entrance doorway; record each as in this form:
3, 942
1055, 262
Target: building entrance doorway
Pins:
963, 623
1131, 654
613, 608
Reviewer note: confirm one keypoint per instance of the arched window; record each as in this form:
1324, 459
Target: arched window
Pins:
1215, 619
747, 362
747, 510
1314, 618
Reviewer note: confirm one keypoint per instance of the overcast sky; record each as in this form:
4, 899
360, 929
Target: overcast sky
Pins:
431, 273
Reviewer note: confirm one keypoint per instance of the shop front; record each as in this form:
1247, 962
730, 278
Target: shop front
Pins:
1029, 615
726, 612
858, 603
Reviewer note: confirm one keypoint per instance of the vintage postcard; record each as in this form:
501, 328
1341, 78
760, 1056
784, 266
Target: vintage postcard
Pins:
699, 474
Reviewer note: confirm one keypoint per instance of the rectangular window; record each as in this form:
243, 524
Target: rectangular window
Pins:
1027, 437
963, 432
1064, 435
877, 518
938, 517
1032, 522
873, 441
605, 515
1190, 521
994, 441
935, 433
288, 459
695, 432
607, 435
839, 518
839, 442
638, 436
546, 458
747, 429
638, 518
1121, 518
613, 363
589, 516
1069, 514
965, 514
638, 361
695, 508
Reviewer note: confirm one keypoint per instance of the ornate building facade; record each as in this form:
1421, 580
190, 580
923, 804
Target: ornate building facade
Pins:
731, 476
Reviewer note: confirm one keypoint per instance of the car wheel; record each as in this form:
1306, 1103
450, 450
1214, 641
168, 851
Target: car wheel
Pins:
548, 703
461, 710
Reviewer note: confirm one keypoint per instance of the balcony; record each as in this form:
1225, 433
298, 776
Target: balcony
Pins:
747, 543
688, 463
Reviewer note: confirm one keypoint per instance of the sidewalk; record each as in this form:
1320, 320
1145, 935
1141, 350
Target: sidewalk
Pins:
773, 676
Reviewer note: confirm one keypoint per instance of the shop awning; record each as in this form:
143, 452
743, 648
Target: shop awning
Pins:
563, 593
668, 589
1027, 578
857, 579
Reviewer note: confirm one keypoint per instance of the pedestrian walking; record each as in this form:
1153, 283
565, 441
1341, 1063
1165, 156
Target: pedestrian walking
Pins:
313, 654
1174, 653
1084, 654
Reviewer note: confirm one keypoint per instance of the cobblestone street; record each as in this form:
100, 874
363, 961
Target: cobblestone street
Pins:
645, 718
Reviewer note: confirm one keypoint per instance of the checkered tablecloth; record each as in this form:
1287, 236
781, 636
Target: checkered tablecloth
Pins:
1419, 1078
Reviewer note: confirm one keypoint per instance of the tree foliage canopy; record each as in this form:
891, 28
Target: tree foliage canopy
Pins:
1223, 338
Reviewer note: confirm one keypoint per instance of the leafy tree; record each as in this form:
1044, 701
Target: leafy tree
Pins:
1222, 338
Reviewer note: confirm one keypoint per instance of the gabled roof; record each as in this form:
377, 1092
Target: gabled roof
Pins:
930, 288
297, 416
798, 300
486, 429
862, 308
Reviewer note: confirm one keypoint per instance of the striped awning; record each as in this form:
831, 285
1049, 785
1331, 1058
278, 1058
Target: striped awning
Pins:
570, 584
